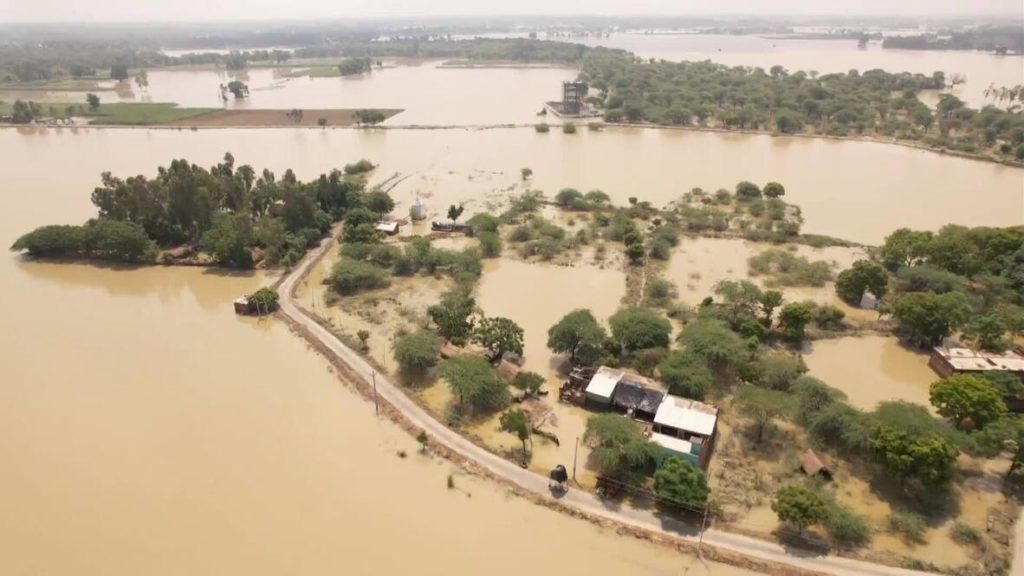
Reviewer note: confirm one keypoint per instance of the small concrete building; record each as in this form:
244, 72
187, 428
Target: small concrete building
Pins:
947, 361
686, 428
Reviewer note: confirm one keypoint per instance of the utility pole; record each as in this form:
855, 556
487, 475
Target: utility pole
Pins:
376, 405
575, 451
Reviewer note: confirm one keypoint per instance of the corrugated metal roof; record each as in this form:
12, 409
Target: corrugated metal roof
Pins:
976, 360
672, 443
604, 381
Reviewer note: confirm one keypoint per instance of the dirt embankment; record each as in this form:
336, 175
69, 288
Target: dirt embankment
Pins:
277, 118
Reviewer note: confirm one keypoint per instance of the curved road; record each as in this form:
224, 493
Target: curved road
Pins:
577, 499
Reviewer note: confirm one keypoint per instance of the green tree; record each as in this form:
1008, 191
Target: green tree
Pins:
905, 247
686, 374
529, 382
418, 352
721, 348
360, 226
379, 202
863, 276
453, 316
478, 387
774, 190
762, 406
516, 422
769, 301
680, 484
926, 318
794, 318
578, 334
1004, 435
800, 507
499, 335
229, 240
926, 458
987, 332
351, 276
637, 328
964, 397
371, 117
265, 300
620, 449
454, 212
747, 191
93, 101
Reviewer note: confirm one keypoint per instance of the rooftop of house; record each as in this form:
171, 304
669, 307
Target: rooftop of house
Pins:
677, 445
687, 415
977, 360
604, 382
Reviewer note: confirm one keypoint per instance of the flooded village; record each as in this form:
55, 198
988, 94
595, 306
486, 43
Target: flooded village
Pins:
679, 347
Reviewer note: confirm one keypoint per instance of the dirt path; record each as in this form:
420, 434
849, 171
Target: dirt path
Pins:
1017, 562
575, 501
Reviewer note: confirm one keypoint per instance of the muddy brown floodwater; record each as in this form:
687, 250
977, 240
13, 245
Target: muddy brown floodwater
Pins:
145, 429
871, 369
855, 190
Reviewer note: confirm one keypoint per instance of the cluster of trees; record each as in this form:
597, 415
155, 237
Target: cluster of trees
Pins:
227, 210
873, 102
99, 239
351, 66
492, 49
760, 214
962, 279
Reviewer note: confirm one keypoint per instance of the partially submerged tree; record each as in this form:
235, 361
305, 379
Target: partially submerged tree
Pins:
499, 335
794, 318
638, 328
579, 334
928, 459
452, 316
475, 383
713, 341
863, 276
454, 212
926, 318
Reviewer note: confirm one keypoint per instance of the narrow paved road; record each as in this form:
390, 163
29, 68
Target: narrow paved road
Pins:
535, 483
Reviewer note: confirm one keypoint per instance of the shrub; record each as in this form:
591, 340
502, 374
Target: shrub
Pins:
351, 276
908, 525
964, 533
847, 530
490, 244
542, 128
568, 128
659, 292
787, 269
644, 361
359, 167
418, 351
265, 299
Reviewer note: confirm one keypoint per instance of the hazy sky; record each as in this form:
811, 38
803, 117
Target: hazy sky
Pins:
136, 10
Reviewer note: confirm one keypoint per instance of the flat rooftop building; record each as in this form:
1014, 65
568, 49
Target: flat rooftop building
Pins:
947, 361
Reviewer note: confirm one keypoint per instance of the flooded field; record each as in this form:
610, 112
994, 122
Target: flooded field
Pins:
827, 179
537, 296
429, 95
148, 430
699, 264
871, 369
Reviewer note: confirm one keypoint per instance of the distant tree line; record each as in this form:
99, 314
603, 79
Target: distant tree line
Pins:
874, 102
998, 39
